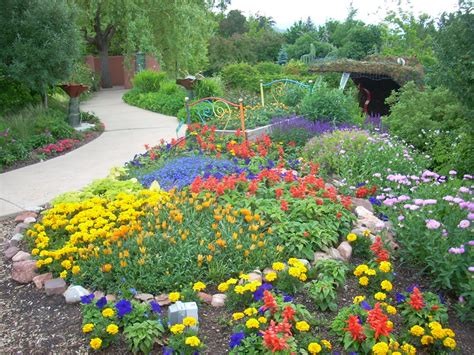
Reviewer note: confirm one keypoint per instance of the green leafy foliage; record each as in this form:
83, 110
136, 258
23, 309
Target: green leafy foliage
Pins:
168, 104
25, 25
209, 87
148, 81
14, 95
240, 76
436, 123
331, 105
323, 294
331, 270
141, 336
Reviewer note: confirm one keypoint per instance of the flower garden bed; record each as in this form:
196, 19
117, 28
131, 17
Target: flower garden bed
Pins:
286, 261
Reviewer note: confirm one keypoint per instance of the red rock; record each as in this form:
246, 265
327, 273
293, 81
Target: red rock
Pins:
111, 298
345, 249
21, 227
41, 279
24, 271
11, 252
21, 217
218, 300
143, 297
55, 286
21, 256
205, 297
163, 300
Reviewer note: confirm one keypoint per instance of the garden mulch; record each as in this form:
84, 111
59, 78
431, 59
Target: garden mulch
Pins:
33, 323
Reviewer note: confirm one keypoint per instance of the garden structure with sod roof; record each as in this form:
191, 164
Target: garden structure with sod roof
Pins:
290, 247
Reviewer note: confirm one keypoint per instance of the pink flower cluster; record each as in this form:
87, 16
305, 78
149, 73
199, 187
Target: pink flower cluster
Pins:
58, 147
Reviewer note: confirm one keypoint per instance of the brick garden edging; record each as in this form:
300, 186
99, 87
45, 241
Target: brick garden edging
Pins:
24, 269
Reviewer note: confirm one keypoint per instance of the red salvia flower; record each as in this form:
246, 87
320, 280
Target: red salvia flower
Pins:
378, 321
416, 299
356, 330
269, 302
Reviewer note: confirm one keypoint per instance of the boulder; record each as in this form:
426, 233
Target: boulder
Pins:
24, 271
362, 212
370, 222
111, 298
41, 279
305, 263
268, 270
334, 254
21, 256
29, 220
163, 299
21, 227
18, 237
360, 202
55, 286
74, 293
319, 255
345, 249
98, 294
144, 297
218, 300
11, 252
205, 297
21, 217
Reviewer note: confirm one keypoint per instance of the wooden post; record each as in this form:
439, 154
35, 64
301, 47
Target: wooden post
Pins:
261, 93
242, 117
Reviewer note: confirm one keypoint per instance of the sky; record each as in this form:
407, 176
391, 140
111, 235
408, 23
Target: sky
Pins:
286, 12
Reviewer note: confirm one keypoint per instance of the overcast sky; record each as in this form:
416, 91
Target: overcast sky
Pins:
286, 12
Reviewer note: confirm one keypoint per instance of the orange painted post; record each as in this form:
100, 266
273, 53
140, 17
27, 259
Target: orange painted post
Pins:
242, 117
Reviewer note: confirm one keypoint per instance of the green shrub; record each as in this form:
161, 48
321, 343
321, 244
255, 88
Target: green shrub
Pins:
53, 122
14, 95
169, 87
148, 81
82, 74
241, 76
295, 67
269, 68
435, 122
209, 87
331, 105
157, 101
294, 95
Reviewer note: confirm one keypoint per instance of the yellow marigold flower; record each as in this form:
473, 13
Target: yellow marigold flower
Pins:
380, 348
174, 296
427, 340
262, 320
63, 274
87, 328
271, 276
434, 325
380, 296
239, 289
302, 326
112, 329
396, 353
391, 310
231, 281
35, 251
449, 332
278, 266
294, 271
416, 330
199, 286
96, 343
177, 328
360, 269
366, 233
371, 272
106, 268
192, 341
358, 299
223, 287
364, 281
303, 277
351, 237
66, 264
326, 344
238, 315
438, 333
314, 348
76, 269
385, 266
244, 276
189, 321
449, 343
252, 323
389, 324
386, 285
250, 311
108, 312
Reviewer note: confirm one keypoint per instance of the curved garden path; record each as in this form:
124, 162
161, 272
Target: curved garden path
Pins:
127, 129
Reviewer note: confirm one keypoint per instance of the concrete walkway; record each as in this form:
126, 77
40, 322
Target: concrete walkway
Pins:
127, 129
